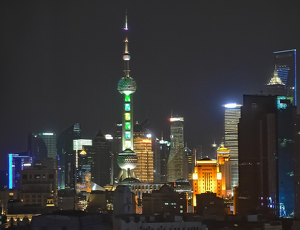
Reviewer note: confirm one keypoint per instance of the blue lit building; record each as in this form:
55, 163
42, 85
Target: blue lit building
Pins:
16, 163
285, 64
267, 156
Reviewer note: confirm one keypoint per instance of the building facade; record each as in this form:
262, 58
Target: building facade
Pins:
225, 169
165, 200
206, 178
38, 185
232, 116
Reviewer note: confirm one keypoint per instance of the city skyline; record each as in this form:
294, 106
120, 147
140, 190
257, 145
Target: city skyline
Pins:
64, 68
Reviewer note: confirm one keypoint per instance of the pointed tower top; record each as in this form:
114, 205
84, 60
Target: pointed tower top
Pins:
275, 80
126, 25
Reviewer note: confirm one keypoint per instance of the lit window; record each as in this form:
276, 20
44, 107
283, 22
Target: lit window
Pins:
128, 144
127, 98
127, 116
127, 135
127, 107
127, 126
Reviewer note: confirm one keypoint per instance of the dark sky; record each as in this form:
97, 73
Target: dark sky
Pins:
61, 62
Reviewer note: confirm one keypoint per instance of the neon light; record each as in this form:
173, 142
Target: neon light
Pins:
127, 116
283, 51
127, 97
231, 105
295, 79
127, 135
127, 107
48, 134
127, 125
128, 144
10, 176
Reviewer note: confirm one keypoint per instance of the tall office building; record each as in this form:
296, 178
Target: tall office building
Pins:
99, 158
42, 145
16, 163
285, 63
190, 160
267, 156
232, 116
127, 159
164, 156
67, 156
177, 163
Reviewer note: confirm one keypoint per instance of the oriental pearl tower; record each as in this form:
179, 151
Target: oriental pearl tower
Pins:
127, 159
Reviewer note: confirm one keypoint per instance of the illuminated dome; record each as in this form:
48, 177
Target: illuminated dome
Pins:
127, 159
127, 85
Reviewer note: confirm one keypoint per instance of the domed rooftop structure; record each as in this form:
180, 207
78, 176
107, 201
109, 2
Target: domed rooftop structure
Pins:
129, 181
127, 159
127, 85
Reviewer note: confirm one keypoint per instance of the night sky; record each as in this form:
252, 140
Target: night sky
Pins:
61, 62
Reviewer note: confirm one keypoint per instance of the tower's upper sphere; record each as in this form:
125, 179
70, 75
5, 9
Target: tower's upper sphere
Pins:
127, 159
127, 85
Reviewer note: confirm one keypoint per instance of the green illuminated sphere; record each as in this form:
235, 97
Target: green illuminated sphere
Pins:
127, 159
127, 85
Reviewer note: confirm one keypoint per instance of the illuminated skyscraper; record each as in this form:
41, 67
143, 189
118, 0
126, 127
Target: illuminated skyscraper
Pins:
275, 86
177, 163
232, 116
16, 163
285, 62
127, 159
42, 145
143, 149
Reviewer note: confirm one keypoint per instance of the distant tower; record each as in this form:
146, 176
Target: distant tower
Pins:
127, 159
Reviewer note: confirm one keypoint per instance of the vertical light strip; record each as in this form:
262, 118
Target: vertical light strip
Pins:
295, 79
10, 176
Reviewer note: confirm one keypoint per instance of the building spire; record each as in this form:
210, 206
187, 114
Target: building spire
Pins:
126, 56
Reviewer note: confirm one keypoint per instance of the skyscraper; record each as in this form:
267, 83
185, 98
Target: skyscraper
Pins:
232, 116
42, 145
275, 86
67, 156
267, 155
164, 156
127, 159
285, 62
177, 163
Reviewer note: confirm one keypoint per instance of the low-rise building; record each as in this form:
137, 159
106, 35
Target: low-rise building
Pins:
38, 184
165, 200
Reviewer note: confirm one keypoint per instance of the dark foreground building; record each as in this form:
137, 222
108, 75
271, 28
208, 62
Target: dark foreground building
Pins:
267, 156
